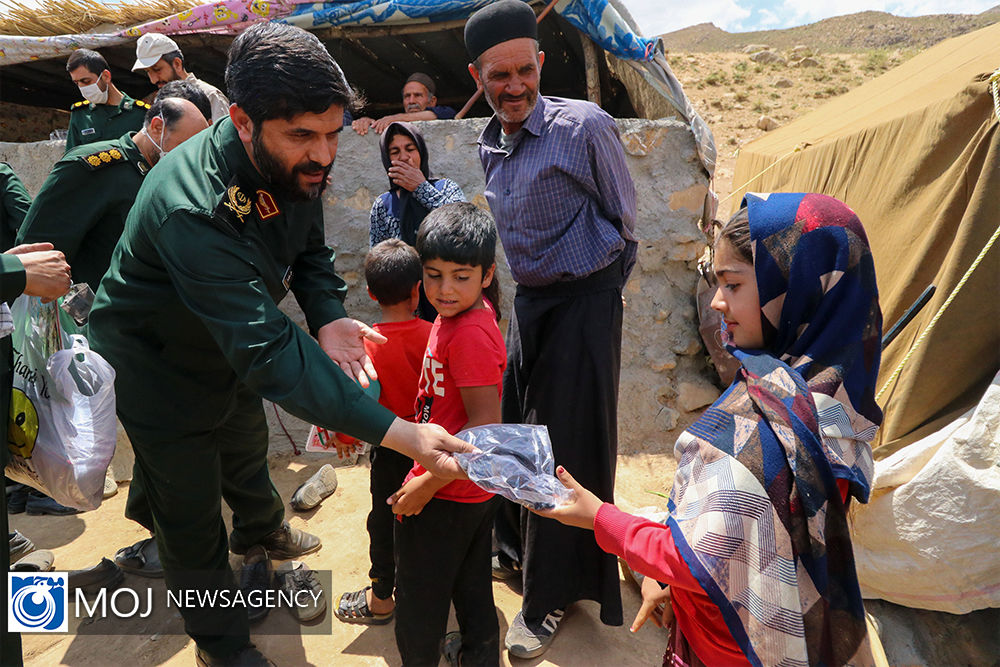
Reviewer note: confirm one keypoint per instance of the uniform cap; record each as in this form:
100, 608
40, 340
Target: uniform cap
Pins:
499, 22
151, 47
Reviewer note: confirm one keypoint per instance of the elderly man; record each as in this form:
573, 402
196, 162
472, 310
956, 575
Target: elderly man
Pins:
83, 203
419, 103
564, 202
162, 60
195, 333
106, 112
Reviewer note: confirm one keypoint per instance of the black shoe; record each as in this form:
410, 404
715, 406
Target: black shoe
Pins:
93, 579
284, 543
248, 656
17, 498
503, 569
20, 546
38, 503
142, 558
257, 575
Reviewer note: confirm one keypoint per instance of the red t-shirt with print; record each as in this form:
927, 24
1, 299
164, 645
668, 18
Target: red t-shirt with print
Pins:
463, 351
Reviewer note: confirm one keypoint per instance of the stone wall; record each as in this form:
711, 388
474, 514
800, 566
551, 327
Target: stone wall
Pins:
664, 374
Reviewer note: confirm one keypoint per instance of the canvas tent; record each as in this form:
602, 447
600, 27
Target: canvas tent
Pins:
916, 153
595, 51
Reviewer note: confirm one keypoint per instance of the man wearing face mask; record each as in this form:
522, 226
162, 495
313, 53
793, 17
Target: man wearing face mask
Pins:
106, 112
83, 203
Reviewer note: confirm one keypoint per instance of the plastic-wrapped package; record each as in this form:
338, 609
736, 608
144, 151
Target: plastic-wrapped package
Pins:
514, 461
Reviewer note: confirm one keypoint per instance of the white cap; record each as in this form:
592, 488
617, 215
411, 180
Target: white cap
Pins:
150, 48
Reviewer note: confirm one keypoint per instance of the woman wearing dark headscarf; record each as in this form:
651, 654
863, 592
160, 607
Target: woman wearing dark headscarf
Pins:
412, 193
756, 549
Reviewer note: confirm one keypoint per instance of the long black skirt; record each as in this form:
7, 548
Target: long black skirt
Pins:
563, 366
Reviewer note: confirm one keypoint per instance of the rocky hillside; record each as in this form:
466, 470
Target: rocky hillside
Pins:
840, 34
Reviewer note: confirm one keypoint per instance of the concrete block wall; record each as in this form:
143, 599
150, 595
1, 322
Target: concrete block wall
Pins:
664, 374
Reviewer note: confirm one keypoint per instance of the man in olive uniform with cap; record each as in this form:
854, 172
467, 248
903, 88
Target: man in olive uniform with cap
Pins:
162, 60
14, 205
188, 316
565, 207
106, 112
83, 203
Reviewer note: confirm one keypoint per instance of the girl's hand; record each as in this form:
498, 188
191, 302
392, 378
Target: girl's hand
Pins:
655, 606
581, 511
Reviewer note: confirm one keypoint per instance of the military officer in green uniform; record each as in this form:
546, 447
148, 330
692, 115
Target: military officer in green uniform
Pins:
187, 314
35, 270
13, 207
106, 112
83, 203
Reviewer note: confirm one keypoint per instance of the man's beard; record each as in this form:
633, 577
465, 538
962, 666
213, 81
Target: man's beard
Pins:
508, 118
283, 180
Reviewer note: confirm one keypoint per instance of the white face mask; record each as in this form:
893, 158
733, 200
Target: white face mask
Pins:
93, 93
159, 146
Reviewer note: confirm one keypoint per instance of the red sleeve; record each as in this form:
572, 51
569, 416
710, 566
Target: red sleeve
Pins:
475, 358
648, 547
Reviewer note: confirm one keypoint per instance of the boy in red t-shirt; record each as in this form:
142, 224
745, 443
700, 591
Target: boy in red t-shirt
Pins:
443, 538
393, 273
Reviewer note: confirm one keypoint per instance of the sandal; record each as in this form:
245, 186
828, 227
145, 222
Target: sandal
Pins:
353, 608
451, 648
141, 558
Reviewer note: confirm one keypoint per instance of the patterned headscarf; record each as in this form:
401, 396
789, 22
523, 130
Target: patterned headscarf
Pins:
755, 508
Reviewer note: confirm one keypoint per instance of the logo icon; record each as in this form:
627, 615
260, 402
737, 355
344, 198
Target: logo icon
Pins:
36, 602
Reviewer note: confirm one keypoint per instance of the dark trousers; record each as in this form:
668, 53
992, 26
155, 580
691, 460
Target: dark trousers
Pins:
564, 358
389, 469
183, 478
443, 557
10, 642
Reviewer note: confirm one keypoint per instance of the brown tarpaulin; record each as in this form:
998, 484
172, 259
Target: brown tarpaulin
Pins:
916, 153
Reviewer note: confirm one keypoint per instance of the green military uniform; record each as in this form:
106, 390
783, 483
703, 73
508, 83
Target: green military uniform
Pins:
83, 203
89, 122
11, 285
187, 314
14, 206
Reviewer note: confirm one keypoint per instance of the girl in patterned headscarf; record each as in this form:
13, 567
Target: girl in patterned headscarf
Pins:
756, 550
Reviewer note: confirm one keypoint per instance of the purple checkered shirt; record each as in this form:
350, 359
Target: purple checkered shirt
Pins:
563, 198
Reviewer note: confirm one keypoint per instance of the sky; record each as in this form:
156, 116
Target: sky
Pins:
656, 17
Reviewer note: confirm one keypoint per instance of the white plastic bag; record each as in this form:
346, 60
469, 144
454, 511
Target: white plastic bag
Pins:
515, 461
62, 429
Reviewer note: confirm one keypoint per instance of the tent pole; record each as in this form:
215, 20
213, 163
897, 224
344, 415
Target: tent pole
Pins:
479, 91
591, 68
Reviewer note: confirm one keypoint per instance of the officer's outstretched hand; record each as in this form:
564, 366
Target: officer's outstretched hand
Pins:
46, 273
429, 445
343, 341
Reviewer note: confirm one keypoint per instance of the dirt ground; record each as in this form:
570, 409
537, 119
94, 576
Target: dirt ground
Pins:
80, 541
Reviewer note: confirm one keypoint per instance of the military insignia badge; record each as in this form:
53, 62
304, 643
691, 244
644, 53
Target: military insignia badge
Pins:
237, 202
266, 207
87, 131
286, 279
93, 160
101, 159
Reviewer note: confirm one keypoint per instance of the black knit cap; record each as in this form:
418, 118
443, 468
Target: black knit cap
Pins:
499, 22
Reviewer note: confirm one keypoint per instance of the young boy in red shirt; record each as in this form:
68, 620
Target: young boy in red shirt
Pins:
393, 273
443, 538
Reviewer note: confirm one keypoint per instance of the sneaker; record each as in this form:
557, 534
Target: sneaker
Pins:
20, 546
529, 640
295, 576
110, 485
502, 571
285, 543
39, 503
248, 656
316, 488
257, 574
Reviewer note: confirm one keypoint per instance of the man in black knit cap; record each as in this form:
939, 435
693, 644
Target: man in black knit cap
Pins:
564, 203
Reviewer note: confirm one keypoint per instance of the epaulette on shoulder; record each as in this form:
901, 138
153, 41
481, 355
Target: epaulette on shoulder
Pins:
141, 104
79, 104
101, 159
